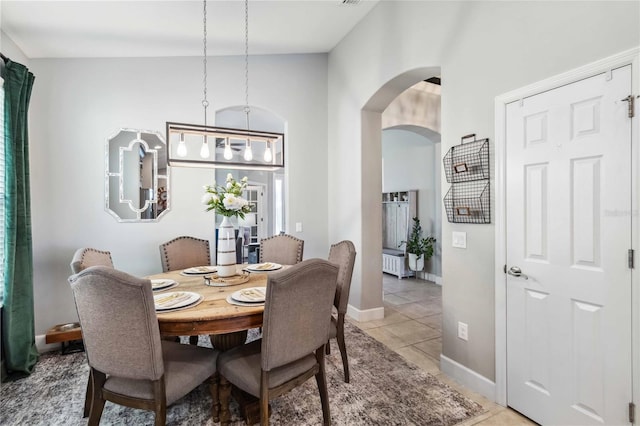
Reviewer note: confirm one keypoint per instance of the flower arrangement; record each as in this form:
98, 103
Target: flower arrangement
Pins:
227, 200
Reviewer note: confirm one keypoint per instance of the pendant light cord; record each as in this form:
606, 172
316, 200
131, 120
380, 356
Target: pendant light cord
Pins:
205, 102
246, 61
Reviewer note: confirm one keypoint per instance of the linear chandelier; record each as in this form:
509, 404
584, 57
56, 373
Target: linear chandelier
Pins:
194, 145
186, 143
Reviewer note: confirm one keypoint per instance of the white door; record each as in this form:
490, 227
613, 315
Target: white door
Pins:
569, 231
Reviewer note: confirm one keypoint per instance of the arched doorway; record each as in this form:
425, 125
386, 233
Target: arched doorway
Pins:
371, 186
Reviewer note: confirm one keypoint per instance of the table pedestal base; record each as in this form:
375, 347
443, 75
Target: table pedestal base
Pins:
249, 405
227, 341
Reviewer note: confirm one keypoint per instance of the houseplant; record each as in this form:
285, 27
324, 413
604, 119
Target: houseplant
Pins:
419, 248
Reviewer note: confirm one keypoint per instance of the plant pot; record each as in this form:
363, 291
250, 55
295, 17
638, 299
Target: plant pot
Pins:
416, 264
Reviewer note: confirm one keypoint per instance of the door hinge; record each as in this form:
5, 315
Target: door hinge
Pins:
631, 109
632, 412
631, 259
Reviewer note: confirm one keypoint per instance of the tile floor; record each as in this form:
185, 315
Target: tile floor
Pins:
412, 327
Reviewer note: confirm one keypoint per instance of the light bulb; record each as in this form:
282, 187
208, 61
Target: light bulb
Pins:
267, 153
204, 150
248, 155
228, 154
182, 147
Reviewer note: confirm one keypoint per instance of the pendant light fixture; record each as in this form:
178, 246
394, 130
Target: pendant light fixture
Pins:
183, 139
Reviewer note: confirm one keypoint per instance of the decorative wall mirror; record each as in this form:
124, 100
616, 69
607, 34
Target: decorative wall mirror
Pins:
136, 176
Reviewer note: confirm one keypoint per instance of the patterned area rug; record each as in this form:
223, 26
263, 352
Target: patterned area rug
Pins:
384, 390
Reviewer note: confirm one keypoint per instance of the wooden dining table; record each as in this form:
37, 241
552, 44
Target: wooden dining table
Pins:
226, 324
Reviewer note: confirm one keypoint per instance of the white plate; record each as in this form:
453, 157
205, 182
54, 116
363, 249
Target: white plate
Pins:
175, 299
199, 270
232, 301
162, 284
250, 295
262, 267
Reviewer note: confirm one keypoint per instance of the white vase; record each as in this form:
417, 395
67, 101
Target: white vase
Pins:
226, 249
416, 264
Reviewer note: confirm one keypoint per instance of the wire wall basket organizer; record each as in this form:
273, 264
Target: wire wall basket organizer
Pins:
468, 202
468, 161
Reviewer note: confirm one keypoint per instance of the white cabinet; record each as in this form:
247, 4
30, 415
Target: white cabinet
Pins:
398, 210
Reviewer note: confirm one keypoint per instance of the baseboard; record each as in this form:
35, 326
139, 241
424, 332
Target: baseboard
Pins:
468, 378
365, 315
434, 278
43, 347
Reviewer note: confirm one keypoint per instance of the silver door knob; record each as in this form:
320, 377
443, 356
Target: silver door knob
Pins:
516, 272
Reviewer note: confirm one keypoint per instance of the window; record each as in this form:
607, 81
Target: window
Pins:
278, 184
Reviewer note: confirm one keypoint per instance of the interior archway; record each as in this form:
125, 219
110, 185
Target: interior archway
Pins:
371, 175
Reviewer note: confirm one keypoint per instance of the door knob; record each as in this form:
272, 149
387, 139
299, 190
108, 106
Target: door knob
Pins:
516, 272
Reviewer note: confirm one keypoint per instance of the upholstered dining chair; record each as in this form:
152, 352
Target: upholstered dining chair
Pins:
294, 333
284, 249
130, 365
342, 254
82, 259
184, 252
85, 257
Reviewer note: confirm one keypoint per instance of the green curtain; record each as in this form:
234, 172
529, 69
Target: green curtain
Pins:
18, 331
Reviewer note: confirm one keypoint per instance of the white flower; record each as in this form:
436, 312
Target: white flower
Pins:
207, 198
229, 177
245, 179
229, 185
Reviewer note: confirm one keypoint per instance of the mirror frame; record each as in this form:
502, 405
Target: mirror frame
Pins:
138, 138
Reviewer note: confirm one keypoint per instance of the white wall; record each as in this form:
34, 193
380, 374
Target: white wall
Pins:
410, 162
481, 49
77, 103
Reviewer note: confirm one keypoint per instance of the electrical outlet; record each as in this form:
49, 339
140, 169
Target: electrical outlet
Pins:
298, 226
463, 331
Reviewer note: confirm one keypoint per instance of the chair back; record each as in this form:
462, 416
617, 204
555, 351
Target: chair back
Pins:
85, 257
119, 324
284, 249
343, 254
184, 252
297, 311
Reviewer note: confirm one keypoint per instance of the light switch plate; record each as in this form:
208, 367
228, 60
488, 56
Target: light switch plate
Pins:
459, 239
298, 226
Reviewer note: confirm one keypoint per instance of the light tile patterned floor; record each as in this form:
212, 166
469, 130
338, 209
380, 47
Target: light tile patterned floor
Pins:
412, 327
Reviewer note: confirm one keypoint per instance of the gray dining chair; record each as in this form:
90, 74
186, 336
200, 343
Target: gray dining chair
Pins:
295, 330
130, 365
284, 249
342, 254
82, 259
184, 252
85, 257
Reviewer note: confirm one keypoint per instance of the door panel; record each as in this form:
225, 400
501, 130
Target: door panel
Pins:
568, 229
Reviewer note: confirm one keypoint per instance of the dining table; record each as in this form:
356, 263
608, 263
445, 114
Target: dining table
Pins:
226, 324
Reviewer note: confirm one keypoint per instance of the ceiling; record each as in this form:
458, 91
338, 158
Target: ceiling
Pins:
152, 28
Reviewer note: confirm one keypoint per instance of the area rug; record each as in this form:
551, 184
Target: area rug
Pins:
384, 390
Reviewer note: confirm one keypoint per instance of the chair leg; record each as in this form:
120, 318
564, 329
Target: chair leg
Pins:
343, 352
193, 340
225, 394
97, 401
264, 398
328, 348
160, 399
213, 386
87, 398
322, 387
